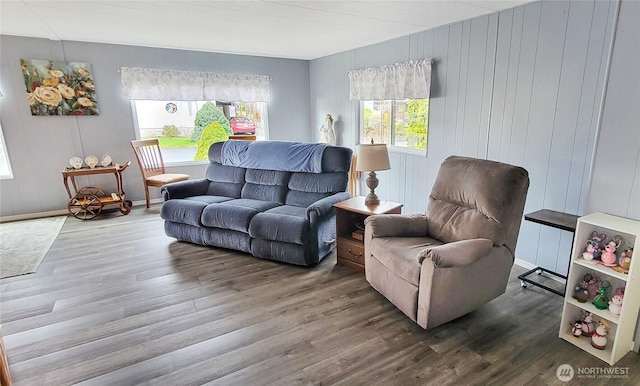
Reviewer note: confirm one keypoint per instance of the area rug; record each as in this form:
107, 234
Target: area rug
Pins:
23, 244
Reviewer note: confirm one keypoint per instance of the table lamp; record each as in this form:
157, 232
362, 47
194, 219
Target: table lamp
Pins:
371, 158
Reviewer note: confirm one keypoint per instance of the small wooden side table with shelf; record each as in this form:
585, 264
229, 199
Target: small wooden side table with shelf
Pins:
349, 213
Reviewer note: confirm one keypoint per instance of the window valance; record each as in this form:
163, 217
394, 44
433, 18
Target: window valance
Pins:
154, 84
408, 80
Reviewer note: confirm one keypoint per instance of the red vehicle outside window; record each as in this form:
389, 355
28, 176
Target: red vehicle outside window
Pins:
242, 125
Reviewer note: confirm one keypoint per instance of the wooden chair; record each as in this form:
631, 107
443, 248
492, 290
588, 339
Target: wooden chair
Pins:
152, 167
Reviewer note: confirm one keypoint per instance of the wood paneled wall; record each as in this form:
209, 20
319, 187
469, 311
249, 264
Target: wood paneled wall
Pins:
522, 86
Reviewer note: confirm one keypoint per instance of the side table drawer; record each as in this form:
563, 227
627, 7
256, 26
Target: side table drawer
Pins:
351, 250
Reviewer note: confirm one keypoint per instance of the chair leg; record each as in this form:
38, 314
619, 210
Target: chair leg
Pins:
146, 193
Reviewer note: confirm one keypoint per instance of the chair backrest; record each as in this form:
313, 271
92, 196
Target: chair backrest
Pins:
473, 198
149, 157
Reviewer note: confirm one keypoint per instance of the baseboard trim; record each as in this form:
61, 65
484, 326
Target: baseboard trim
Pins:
524, 264
31, 216
61, 212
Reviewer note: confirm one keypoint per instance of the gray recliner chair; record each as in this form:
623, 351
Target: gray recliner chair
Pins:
442, 265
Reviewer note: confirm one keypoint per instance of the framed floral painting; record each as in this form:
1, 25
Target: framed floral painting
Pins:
59, 88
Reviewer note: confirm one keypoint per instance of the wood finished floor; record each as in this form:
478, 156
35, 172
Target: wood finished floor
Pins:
116, 302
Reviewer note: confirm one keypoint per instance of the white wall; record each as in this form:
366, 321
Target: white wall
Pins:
40, 147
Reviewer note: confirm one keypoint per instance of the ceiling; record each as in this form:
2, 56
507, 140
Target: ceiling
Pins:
273, 28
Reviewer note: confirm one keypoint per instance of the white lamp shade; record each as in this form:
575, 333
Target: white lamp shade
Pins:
372, 157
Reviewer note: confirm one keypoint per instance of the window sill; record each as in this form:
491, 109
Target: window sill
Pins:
185, 163
407, 151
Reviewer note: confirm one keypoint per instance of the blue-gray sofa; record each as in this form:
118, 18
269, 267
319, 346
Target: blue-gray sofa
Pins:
273, 199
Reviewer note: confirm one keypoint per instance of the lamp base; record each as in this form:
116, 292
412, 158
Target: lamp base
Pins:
372, 183
371, 199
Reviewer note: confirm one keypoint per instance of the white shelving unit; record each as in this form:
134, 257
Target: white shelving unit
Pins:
622, 327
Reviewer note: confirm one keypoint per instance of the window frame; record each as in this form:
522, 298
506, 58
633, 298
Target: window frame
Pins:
5, 153
136, 126
391, 146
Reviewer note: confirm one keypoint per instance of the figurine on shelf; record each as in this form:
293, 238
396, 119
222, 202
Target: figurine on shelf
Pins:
601, 301
624, 262
599, 336
576, 328
615, 304
587, 324
592, 285
593, 246
581, 291
589, 251
608, 256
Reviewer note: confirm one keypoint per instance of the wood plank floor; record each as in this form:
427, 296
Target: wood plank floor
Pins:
116, 302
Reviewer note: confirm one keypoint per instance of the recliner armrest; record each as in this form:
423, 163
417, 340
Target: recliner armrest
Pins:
456, 254
182, 189
396, 225
325, 205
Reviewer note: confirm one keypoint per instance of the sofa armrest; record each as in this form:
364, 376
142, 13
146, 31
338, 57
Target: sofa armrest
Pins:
325, 205
396, 225
456, 254
182, 189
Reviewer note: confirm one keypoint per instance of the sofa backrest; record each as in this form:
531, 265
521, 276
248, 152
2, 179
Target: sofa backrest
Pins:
266, 185
228, 180
477, 198
284, 187
307, 188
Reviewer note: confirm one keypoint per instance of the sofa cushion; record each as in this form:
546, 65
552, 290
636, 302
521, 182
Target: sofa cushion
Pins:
401, 255
285, 223
209, 199
307, 188
234, 214
183, 211
266, 185
225, 180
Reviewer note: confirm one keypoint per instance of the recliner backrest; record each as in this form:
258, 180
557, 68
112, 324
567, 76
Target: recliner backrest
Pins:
476, 198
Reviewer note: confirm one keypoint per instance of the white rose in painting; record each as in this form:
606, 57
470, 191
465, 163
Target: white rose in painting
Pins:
51, 82
66, 91
56, 73
31, 99
86, 102
88, 85
48, 95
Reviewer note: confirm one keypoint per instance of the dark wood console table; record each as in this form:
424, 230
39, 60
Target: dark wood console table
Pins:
559, 220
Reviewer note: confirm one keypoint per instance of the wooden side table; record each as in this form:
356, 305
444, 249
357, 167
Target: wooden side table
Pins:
350, 213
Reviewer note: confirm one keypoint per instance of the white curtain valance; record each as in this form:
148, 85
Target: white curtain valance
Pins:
153, 84
408, 80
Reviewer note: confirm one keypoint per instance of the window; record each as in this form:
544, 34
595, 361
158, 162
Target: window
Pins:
174, 123
398, 123
5, 166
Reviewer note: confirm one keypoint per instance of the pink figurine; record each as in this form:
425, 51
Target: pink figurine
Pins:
608, 256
